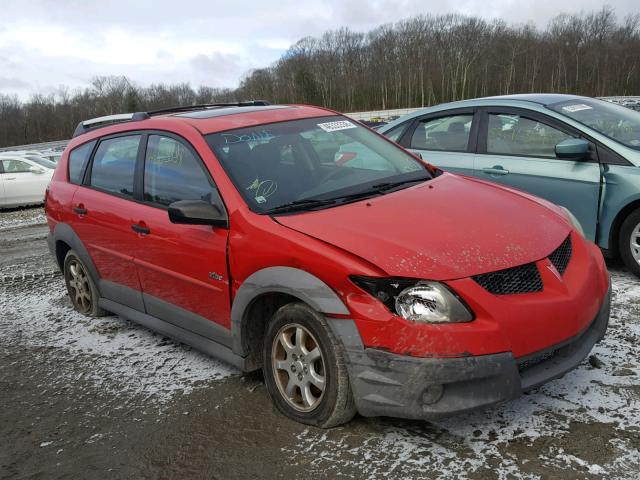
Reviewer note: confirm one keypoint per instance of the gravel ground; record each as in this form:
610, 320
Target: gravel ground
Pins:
106, 398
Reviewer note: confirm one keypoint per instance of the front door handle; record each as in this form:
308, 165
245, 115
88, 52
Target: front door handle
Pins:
10, 178
80, 210
495, 170
142, 230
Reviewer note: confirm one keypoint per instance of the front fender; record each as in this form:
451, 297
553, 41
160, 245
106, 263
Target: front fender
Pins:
292, 281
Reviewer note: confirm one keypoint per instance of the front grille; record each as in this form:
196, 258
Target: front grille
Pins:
561, 256
523, 279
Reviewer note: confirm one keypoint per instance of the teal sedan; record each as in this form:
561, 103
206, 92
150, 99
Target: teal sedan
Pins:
577, 152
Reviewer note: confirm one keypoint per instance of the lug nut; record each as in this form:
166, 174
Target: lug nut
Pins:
299, 376
293, 368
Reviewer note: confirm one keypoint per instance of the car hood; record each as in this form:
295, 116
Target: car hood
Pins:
449, 227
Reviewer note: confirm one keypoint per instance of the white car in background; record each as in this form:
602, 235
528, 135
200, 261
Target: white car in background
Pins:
23, 181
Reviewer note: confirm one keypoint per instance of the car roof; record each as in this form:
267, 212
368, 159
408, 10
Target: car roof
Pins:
541, 98
205, 120
522, 99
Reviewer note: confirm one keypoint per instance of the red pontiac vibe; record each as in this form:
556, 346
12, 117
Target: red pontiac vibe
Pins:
377, 285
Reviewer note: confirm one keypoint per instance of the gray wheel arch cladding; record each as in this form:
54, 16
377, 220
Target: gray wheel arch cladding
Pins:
292, 281
63, 232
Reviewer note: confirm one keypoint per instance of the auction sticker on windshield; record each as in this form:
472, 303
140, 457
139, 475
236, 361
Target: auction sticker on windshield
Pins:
336, 126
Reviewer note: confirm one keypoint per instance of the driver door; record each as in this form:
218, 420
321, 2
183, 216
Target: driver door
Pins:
517, 148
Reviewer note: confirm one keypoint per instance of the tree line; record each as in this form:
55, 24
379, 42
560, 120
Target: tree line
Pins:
420, 61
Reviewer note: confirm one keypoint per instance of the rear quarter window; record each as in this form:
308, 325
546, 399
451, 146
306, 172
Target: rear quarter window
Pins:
78, 158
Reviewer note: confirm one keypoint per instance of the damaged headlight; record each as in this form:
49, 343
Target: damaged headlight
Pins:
418, 301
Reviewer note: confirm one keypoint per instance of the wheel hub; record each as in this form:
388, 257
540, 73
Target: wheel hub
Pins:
298, 367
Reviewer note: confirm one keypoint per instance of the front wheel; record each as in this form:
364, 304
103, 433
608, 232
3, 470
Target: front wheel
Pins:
629, 242
304, 368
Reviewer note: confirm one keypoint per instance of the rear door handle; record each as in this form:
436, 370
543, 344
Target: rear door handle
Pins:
10, 178
80, 210
140, 229
495, 170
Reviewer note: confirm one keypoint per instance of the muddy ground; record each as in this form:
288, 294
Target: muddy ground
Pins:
106, 398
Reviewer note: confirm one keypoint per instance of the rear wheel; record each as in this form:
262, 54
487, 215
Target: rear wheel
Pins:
82, 291
304, 368
629, 242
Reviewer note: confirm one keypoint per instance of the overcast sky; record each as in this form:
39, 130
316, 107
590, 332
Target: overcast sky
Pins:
47, 43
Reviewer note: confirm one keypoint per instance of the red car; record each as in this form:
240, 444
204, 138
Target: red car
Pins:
387, 288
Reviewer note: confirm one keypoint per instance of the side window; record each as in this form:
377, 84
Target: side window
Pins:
173, 173
396, 132
444, 133
114, 164
515, 135
78, 160
15, 166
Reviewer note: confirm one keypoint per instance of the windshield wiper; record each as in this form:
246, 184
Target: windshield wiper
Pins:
309, 203
300, 205
382, 187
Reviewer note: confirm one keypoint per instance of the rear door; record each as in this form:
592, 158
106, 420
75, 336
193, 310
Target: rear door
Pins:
182, 268
516, 147
103, 215
444, 139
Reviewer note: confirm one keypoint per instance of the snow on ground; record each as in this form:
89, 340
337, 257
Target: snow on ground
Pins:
123, 355
10, 219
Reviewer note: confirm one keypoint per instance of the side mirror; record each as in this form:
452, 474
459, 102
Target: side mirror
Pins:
198, 212
572, 149
36, 170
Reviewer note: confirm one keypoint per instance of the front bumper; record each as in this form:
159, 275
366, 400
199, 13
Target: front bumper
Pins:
387, 384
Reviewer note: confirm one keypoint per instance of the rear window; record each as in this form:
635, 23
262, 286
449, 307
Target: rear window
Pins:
114, 165
78, 161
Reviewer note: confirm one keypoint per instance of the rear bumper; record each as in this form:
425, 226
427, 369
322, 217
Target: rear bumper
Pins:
387, 384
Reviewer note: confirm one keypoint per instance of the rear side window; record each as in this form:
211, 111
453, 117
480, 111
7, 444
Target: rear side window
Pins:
114, 165
173, 173
443, 133
15, 166
78, 161
396, 132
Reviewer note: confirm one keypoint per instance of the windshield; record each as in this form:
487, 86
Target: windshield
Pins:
41, 161
315, 159
616, 122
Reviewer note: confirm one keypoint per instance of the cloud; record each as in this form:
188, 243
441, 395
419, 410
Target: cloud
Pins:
46, 43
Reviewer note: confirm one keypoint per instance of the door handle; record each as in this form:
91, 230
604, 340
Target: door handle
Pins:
10, 178
80, 210
140, 229
495, 170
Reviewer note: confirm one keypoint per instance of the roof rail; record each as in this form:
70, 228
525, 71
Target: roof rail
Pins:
87, 125
205, 106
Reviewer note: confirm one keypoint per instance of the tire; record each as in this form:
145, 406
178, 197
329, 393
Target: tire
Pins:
630, 232
321, 357
80, 286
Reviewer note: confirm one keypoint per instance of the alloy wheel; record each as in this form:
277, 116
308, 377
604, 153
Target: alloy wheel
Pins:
298, 367
79, 288
634, 243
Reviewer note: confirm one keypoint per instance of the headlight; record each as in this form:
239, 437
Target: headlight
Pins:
574, 221
418, 301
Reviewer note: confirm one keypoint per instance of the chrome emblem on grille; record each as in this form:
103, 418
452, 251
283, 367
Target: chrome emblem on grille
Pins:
554, 270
